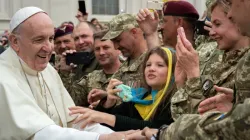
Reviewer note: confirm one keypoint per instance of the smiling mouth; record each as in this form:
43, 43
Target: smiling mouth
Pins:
42, 56
151, 76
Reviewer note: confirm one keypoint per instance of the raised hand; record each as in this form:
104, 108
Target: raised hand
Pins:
63, 65
148, 21
187, 57
221, 102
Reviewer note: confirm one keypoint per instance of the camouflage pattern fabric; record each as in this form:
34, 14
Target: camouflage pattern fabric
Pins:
235, 125
207, 49
94, 80
220, 70
130, 73
120, 23
242, 79
212, 126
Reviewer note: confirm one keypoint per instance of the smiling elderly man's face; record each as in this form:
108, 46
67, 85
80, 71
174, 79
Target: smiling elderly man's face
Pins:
35, 41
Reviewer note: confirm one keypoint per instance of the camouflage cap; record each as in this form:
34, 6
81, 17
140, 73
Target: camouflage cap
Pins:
120, 23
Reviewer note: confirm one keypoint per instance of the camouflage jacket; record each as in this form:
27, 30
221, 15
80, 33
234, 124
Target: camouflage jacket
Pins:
69, 78
212, 126
242, 79
234, 125
206, 50
80, 89
131, 74
220, 70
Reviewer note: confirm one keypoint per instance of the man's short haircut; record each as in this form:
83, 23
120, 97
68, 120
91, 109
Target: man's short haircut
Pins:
91, 25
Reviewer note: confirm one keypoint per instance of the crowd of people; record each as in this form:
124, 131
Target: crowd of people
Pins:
143, 77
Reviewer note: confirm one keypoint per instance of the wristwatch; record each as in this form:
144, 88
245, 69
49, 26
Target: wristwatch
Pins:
160, 130
207, 86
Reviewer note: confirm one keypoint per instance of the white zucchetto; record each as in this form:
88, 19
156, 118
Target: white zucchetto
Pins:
23, 14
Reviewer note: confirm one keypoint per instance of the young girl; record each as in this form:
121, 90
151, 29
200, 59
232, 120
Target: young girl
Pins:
152, 110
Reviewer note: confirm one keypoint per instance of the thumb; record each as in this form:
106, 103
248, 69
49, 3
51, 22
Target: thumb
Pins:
223, 90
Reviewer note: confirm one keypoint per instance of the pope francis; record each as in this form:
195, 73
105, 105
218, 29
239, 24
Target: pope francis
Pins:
33, 101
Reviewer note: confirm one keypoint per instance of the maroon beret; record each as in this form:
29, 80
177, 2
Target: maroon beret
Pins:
63, 30
180, 8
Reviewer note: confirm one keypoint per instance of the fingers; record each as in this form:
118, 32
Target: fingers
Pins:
185, 41
144, 131
114, 91
207, 28
113, 83
77, 110
72, 65
130, 132
86, 122
94, 104
156, 16
82, 117
90, 95
180, 49
226, 91
143, 14
208, 23
181, 33
207, 105
68, 52
96, 94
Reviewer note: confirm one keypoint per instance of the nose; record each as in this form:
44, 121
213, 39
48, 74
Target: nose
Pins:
102, 52
48, 46
152, 68
116, 45
229, 14
212, 33
81, 41
63, 45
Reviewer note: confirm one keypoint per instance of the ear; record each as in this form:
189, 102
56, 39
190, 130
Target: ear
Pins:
133, 31
179, 22
13, 42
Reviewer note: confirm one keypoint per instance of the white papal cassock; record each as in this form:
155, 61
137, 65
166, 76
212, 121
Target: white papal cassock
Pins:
34, 105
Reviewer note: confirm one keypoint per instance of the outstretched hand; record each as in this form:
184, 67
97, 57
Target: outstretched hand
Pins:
221, 102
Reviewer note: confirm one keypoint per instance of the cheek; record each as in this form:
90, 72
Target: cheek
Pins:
232, 35
163, 74
89, 40
220, 31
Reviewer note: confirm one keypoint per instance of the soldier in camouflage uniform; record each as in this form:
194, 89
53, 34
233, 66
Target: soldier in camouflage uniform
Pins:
173, 10
62, 41
128, 37
215, 125
219, 70
235, 125
108, 57
83, 37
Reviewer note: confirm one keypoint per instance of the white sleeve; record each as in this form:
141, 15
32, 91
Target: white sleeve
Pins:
96, 127
54, 132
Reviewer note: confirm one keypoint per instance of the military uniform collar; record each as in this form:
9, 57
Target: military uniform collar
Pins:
231, 55
135, 65
101, 76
